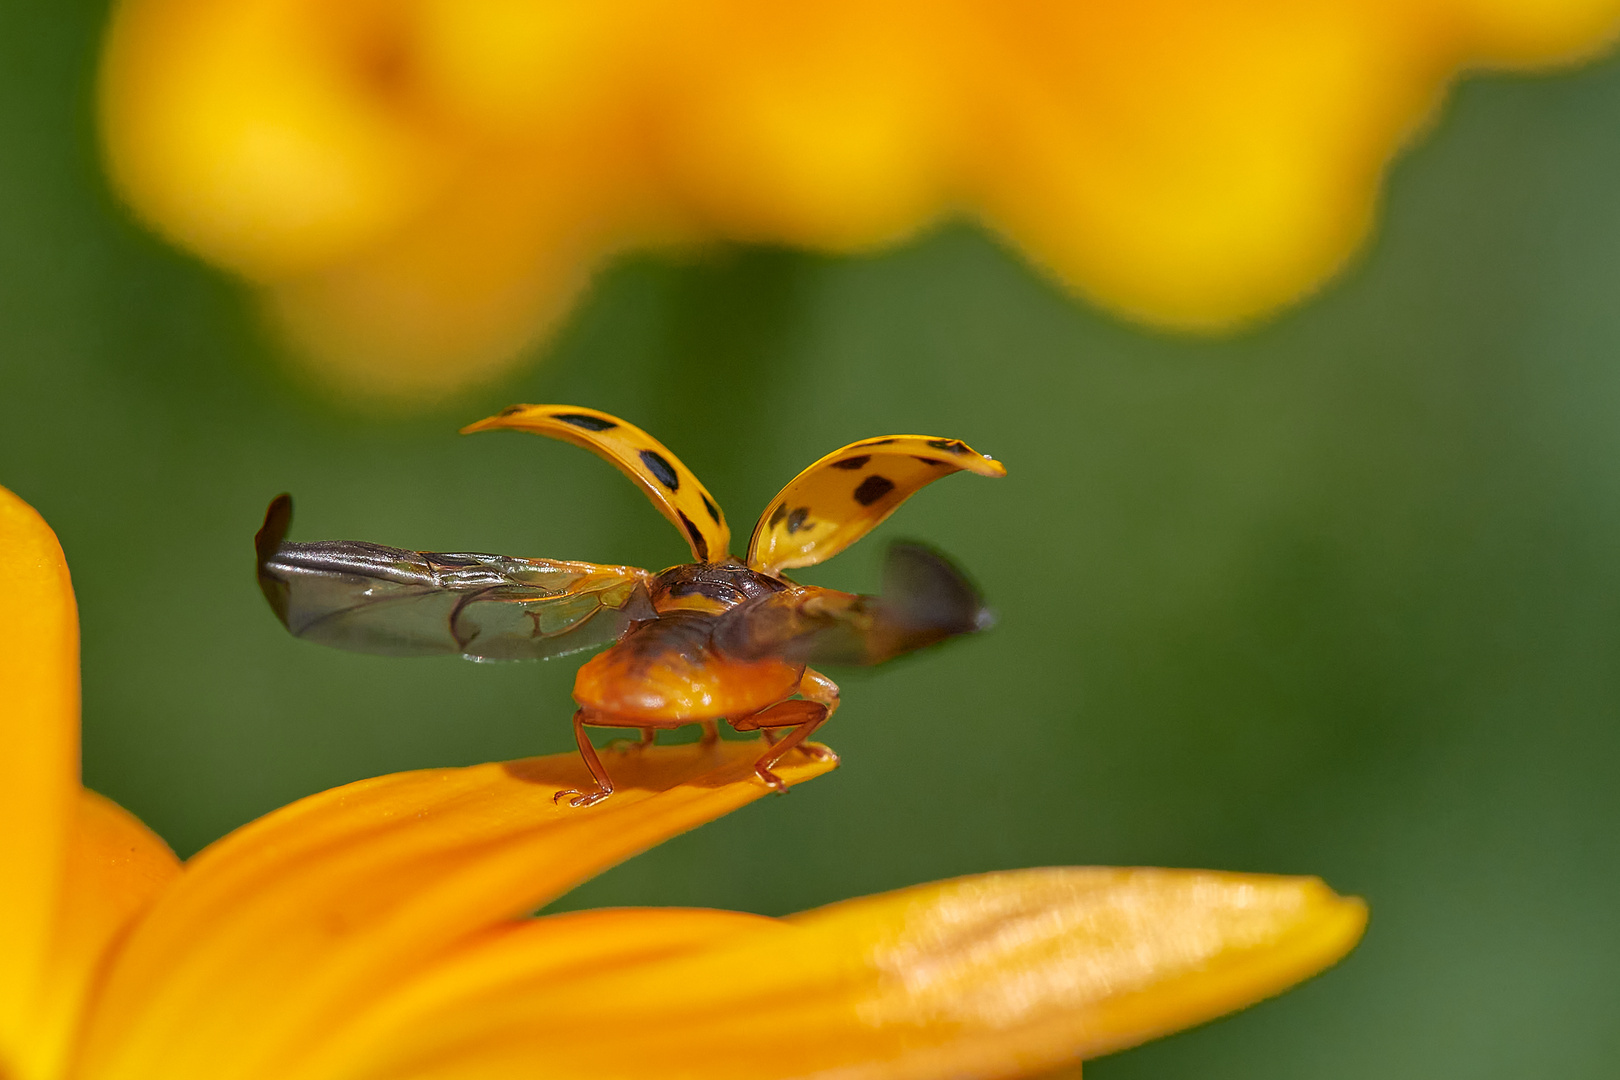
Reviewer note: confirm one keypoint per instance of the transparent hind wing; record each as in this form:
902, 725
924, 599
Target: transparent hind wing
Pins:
925, 599
364, 597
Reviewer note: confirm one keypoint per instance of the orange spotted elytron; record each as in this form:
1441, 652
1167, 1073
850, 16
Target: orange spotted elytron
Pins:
714, 639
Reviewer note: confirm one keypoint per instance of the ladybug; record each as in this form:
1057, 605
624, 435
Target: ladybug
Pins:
715, 639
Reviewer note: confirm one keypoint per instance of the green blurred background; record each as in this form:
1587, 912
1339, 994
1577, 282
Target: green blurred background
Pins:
1336, 597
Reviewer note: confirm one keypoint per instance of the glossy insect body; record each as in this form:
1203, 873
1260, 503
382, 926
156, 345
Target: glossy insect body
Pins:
715, 639
668, 672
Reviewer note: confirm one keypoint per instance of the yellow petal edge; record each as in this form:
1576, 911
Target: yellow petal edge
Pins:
116, 867
39, 755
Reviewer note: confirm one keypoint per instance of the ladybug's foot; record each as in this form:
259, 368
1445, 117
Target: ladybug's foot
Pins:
776, 783
582, 799
604, 785
817, 752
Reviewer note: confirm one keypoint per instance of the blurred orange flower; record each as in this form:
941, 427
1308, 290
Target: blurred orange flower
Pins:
377, 930
422, 186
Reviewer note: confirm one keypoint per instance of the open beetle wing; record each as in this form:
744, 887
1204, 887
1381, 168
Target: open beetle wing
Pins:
925, 599
662, 477
368, 598
849, 492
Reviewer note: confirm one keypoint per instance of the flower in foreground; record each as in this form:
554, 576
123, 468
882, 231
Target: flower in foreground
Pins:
377, 930
422, 186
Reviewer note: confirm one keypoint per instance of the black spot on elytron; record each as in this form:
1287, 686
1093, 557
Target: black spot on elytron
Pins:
928, 460
796, 520
877, 442
777, 515
699, 545
872, 489
511, 410
660, 468
954, 446
708, 504
584, 420
852, 463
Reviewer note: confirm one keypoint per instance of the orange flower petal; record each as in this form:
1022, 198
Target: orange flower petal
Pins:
301, 917
39, 753
115, 867
1011, 974
557, 950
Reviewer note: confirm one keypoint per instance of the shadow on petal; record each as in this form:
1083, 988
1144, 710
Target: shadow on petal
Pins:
305, 915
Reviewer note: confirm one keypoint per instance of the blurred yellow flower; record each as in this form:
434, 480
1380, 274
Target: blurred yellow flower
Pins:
422, 186
376, 930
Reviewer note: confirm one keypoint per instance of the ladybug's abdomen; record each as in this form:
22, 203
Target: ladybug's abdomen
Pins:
666, 672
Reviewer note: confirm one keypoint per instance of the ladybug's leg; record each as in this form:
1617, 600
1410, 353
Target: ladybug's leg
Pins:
711, 732
802, 716
817, 687
604, 784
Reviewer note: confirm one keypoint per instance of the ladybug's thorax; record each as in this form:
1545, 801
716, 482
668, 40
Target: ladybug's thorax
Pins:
709, 587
